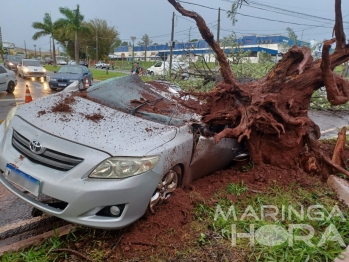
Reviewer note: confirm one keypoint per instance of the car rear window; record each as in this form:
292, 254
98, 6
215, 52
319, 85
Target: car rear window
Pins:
129, 94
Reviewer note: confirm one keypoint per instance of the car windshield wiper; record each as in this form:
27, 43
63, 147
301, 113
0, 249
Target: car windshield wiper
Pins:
145, 103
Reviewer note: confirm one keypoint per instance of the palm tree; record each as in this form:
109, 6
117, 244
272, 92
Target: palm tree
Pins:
72, 23
2, 51
47, 28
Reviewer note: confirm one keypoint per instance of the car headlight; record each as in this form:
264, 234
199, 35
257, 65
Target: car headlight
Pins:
44, 70
122, 167
53, 79
10, 64
11, 113
25, 70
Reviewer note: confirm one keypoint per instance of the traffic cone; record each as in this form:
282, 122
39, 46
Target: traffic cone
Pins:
28, 96
86, 84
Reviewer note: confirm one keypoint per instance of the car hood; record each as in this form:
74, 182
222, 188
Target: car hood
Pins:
117, 133
66, 76
32, 68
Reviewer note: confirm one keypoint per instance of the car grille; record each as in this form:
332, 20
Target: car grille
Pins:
48, 158
36, 73
62, 80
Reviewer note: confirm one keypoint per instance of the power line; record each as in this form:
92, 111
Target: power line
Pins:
257, 17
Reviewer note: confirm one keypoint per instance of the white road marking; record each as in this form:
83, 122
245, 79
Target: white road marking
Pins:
328, 130
16, 99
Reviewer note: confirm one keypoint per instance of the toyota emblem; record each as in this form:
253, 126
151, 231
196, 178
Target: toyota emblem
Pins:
36, 147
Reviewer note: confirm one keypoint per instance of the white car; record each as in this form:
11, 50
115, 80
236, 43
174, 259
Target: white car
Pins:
61, 62
31, 68
8, 80
102, 65
112, 152
161, 68
71, 62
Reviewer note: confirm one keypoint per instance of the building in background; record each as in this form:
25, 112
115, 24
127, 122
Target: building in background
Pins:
273, 45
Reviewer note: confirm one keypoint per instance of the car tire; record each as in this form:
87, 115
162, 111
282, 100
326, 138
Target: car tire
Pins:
81, 85
10, 87
167, 185
151, 73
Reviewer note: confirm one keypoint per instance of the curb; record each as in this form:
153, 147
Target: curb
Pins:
62, 231
341, 187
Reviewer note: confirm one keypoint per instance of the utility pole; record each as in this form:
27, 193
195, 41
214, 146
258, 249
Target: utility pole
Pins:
35, 51
189, 33
171, 47
25, 50
40, 52
96, 46
218, 30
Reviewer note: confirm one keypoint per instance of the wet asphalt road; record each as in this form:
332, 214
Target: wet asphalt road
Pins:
14, 211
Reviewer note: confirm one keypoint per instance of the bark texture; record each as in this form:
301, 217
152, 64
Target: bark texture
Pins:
271, 114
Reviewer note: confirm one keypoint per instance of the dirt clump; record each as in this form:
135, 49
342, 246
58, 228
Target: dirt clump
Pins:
96, 117
62, 108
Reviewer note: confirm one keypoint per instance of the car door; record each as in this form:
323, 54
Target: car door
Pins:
209, 156
158, 68
3, 78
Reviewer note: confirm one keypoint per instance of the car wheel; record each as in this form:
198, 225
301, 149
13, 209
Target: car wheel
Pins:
151, 73
10, 87
168, 184
81, 85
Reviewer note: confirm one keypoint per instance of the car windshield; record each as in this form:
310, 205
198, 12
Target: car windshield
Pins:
14, 58
31, 63
151, 101
70, 70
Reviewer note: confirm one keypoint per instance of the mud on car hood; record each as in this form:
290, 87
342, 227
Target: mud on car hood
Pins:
95, 125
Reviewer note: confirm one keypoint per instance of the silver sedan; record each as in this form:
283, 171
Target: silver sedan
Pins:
8, 80
102, 158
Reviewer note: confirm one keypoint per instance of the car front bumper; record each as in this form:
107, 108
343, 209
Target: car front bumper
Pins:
85, 197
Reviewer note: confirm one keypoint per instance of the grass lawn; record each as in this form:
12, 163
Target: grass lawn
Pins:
97, 74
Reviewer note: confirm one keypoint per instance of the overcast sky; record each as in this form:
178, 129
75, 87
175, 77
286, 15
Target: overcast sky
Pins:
153, 17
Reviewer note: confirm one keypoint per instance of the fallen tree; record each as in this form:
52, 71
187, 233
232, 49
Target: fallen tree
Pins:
271, 113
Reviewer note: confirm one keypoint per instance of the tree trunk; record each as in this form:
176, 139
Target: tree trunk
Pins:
271, 114
54, 52
76, 48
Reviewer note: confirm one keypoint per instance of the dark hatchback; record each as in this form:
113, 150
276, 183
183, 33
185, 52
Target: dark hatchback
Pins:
68, 74
12, 61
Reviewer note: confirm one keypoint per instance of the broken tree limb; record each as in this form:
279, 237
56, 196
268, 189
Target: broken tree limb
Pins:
339, 148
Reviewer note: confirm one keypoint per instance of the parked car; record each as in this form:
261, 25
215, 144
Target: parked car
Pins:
61, 62
161, 68
68, 74
122, 148
83, 63
49, 61
8, 80
102, 65
11, 62
71, 62
31, 68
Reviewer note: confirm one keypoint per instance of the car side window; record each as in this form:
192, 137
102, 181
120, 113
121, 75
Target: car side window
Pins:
158, 64
85, 70
2, 70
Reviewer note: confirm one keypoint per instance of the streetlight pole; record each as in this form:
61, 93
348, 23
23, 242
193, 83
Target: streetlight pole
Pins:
133, 39
40, 52
35, 51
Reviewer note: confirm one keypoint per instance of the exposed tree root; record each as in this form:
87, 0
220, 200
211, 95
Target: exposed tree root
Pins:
271, 113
